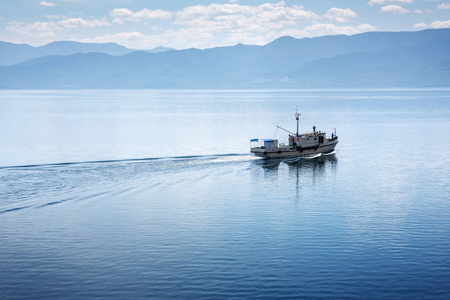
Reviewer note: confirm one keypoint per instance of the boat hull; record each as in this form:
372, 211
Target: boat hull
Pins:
284, 153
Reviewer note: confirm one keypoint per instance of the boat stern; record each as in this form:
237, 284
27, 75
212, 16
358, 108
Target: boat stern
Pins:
260, 147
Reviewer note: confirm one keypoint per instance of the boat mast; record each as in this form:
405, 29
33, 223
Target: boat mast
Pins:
297, 117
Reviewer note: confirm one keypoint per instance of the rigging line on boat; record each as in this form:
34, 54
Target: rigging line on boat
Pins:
285, 130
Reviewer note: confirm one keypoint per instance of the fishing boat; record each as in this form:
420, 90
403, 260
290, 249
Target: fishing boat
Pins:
307, 144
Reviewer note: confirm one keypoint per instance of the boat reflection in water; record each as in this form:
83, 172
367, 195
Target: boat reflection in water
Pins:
298, 172
307, 163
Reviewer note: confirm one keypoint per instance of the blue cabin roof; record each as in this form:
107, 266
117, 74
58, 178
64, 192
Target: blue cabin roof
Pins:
265, 140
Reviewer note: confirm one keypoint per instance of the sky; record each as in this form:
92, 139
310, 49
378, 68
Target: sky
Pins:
181, 24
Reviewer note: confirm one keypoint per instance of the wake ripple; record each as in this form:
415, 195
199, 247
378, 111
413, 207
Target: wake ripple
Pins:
46, 185
168, 158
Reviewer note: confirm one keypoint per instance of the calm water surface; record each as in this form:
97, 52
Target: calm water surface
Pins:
152, 194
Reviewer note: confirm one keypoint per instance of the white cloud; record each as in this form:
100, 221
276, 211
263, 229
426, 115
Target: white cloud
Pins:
373, 2
212, 10
331, 29
271, 12
182, 38
20, 27
244, 38
128, 35
420, 25
237, 19
200, 26
340, 15
134, 40
44, 3
47, 29
434, 25
119, 38
152, 14
365, 28
395, 9
440, 24
193, 37
38, 29
193, 26
123, 14
443, 6
79, 22
204, 26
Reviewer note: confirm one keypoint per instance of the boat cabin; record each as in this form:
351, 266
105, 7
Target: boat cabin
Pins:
263, 143
307, 139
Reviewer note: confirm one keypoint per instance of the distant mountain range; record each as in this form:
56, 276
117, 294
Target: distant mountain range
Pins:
11, 54
367, 60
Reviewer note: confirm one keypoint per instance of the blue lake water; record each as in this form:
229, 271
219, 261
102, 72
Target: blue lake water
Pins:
153, 194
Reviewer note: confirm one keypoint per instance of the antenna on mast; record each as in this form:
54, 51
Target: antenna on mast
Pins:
297, 115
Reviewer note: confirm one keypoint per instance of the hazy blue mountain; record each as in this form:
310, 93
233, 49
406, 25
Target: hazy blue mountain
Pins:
286, 51
422, 65
160, 49
16, 53
375, 59
68, 48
